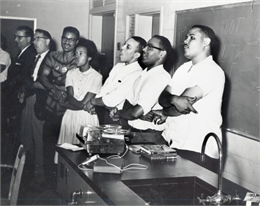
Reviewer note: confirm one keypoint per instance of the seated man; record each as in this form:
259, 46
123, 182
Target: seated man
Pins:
148, 87
192, 101
121, 78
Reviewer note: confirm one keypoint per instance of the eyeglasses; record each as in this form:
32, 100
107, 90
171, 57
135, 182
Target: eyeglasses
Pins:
70, 40
150, 47
38, 38
19, 37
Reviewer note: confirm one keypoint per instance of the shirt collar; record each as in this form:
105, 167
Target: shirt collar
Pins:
156, 69
24, 49
42, 54
204, 61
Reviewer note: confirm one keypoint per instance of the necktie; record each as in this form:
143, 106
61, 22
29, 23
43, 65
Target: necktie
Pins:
37, 59
35, 69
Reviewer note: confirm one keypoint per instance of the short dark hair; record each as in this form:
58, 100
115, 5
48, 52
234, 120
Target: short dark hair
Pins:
45, 33
165, 44
72, 30
89, 45
142, 43
207, 31
28, 31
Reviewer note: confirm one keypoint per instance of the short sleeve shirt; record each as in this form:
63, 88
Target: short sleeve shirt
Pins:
145, 93
119, 83
188, 131
5, 59
83, 82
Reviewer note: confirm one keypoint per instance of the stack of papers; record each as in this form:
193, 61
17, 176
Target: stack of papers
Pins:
69, 146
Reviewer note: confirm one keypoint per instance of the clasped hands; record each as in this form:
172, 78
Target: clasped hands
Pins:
58, 94
182, 104
89, 107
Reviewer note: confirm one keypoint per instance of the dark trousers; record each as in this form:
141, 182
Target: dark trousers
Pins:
51, 130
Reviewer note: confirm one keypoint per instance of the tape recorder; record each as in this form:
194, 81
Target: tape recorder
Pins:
104, 139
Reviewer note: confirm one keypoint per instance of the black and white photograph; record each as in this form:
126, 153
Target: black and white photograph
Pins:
130, 102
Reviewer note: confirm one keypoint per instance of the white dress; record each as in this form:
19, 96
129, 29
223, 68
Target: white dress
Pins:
82, 82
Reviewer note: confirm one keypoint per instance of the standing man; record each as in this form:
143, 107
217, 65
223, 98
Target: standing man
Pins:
147, 88
53, 79
31, 127
121, 78
18, 71
192, 101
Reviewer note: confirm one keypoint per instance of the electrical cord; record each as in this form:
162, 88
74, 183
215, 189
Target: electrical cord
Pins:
131, 166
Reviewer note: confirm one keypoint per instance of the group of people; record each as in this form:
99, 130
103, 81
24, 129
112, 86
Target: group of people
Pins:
56, 92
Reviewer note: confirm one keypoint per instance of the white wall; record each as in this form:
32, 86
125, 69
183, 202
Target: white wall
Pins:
243, 154
52, 15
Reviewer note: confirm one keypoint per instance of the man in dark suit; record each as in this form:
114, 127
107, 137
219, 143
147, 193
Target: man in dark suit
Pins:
31, 126
11, 109
18, 71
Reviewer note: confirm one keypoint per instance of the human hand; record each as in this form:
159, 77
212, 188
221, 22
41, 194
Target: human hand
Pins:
58, 94
89, 107
38, 85
159, 118
21, 97
114, 114
183, 104
148, 117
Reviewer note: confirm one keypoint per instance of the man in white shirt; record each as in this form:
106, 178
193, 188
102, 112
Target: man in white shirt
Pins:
5, 60
31, 126
148, 87
192, 101
121, 77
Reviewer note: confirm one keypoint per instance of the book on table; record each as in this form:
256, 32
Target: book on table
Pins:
158, 152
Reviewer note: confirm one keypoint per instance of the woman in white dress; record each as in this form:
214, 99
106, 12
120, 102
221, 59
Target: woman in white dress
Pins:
82, 84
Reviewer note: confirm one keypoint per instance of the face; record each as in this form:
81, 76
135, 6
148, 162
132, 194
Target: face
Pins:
21, 39
41, 43
129, 52
194, 43
68, 41
81, 56
152, 52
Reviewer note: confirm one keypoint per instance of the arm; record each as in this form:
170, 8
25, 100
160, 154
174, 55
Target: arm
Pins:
129, 112
98, 102
79, 105
46, 71
183, 104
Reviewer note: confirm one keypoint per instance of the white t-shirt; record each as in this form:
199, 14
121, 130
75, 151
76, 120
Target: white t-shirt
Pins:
119, 83
145, 93
83, 82
5, 59
188, 131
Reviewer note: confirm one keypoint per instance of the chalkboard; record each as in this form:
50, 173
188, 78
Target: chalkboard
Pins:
237, 27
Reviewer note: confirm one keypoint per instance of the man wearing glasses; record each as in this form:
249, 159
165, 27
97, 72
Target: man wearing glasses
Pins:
18, 71
157, 56
53, 80
31, 126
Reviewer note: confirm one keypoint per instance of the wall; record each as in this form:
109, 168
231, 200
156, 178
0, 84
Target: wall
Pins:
52, 15
242, 154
